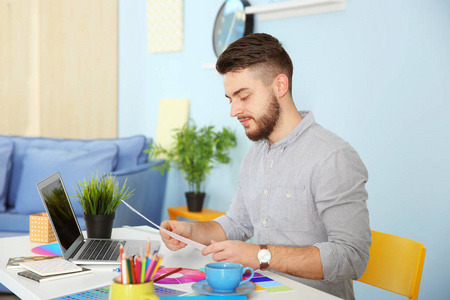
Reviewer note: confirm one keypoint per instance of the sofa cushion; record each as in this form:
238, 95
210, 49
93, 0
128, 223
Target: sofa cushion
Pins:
131, 150
130, 153
74, 165
6, 150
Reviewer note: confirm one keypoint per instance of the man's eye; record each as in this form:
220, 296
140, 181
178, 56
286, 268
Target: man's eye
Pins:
244, 98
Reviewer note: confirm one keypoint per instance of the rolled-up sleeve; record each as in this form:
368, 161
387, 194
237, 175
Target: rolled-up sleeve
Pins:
340, 197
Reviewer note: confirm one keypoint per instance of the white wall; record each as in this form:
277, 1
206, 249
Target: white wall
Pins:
377, 74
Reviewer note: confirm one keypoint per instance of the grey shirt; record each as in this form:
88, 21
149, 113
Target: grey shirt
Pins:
306, 189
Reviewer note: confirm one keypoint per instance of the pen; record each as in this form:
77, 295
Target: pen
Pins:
167, 274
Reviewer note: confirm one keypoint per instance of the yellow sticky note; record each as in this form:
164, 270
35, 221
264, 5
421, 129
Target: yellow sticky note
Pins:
172, 114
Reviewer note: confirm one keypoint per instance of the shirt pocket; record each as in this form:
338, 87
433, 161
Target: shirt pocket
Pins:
291, 209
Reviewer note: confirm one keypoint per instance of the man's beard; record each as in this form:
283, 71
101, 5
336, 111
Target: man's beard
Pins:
267, 123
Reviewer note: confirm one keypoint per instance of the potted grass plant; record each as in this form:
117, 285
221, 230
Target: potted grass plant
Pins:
195, 151
99, 197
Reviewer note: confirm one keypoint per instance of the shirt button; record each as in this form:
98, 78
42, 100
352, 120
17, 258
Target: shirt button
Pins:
265, 222
266, 192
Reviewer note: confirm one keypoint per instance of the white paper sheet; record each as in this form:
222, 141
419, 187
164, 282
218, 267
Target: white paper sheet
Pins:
174, 235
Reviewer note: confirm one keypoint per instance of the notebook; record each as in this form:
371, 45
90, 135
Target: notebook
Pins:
51, 266
36, 277
74, 246
14, 262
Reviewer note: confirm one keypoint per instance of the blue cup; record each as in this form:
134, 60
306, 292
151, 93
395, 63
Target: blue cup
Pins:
226, 276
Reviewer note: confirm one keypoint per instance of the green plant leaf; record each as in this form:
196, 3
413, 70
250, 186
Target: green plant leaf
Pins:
101, 195
195, 152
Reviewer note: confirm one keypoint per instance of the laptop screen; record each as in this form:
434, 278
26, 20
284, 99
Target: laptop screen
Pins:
60, 211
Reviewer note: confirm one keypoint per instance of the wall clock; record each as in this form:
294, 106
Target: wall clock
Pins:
231, 24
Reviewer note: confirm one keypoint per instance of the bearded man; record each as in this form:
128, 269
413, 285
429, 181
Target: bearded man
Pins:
301, 194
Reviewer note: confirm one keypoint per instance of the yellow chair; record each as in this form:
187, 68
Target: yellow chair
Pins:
395, 264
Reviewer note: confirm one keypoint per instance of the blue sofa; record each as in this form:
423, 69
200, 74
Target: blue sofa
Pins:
24, 161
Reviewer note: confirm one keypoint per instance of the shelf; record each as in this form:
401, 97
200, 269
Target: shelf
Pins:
294, 8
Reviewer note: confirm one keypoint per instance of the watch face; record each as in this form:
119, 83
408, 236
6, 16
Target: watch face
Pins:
264, 255
231, 24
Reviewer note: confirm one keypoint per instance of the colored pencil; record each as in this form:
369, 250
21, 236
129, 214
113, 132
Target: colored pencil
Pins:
123, 271
150, 268
156, 267
143, 268
147, 253
121, 258
140, 269
137, 269
167, 274
148, 262
129, 277
133, 274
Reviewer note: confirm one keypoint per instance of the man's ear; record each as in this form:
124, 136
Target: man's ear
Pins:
281, 85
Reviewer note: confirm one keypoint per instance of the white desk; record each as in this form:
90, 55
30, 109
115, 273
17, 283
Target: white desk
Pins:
187, 258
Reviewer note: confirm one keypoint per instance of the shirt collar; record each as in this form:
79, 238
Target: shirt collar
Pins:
305, 123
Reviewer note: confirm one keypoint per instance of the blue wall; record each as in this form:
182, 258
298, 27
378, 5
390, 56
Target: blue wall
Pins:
377, 74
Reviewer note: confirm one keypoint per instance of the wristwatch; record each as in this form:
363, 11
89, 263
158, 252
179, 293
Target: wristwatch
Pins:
264, 257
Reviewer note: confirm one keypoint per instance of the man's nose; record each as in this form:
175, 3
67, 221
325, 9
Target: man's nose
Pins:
236, 108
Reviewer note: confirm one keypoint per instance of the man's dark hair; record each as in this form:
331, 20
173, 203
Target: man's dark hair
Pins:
261, 53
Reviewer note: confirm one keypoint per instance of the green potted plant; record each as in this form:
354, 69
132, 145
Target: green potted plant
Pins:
99, 198
195, 151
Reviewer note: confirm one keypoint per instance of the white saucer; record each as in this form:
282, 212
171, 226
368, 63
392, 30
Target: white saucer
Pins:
202, 287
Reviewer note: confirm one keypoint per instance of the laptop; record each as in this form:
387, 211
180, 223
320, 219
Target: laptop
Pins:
73, 245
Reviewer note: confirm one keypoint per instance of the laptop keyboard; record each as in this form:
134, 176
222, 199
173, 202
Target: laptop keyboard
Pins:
101, 250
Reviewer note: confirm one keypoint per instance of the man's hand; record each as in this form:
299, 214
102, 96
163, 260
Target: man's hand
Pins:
234, 251
181, 228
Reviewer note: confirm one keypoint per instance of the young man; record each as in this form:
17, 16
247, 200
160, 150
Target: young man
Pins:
301, 194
